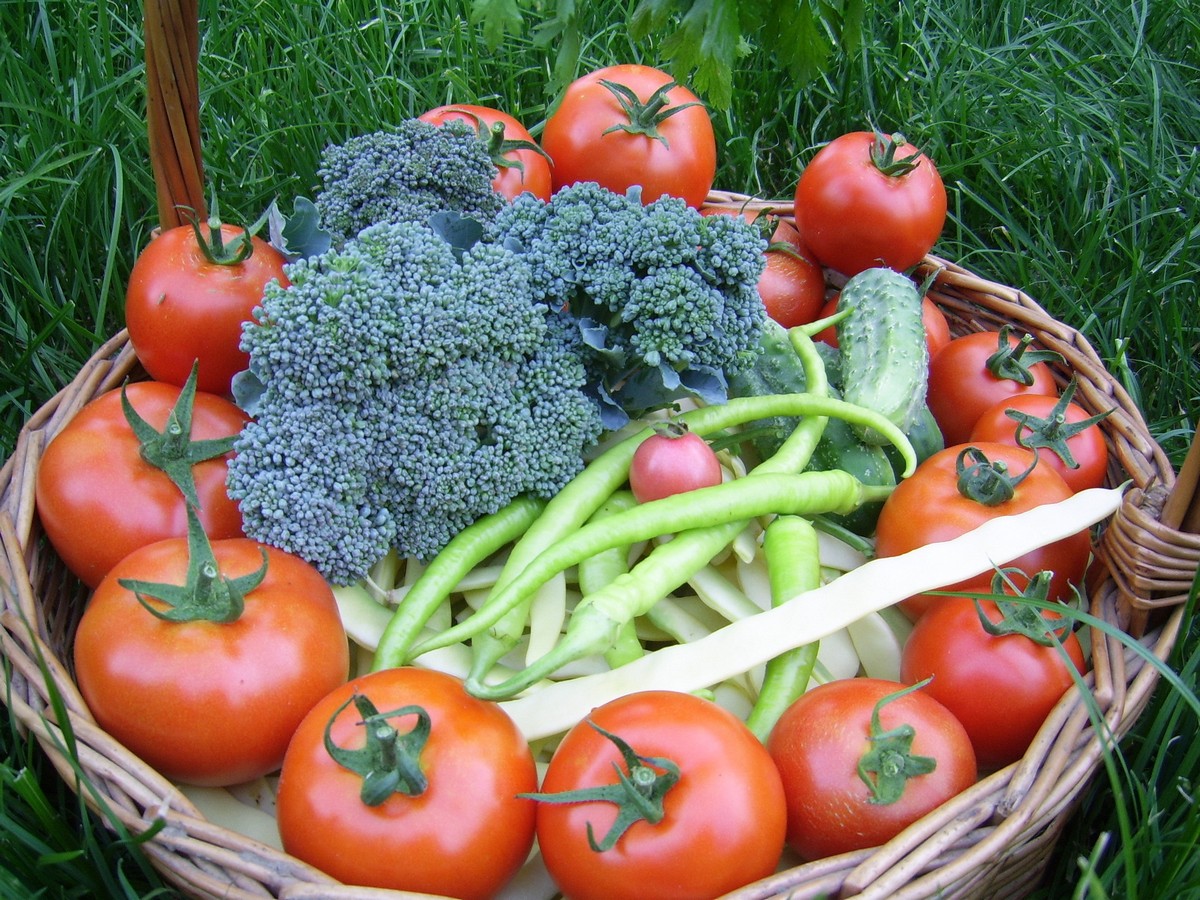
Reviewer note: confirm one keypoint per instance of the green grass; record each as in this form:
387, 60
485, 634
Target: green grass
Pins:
1065, 132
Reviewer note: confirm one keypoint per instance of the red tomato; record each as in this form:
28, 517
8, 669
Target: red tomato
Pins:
588, 136
856, 209
929, 506
205, 702
464, 834
722, 822
937, 327
972, 373
1076, 432
98, 500
521, 168
792, 285
671, 461
1000, 687
180, 307
819, 742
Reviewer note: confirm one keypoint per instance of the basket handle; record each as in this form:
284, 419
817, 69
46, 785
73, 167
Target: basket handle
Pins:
173, 107
1182, 509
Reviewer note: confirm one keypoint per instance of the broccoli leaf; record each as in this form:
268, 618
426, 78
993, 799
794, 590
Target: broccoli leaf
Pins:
460, 232
299, 235
248, 389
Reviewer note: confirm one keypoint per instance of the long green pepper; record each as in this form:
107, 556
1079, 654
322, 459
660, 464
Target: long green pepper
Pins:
731, 503
466, 550
601, 569
596, 623
571, 507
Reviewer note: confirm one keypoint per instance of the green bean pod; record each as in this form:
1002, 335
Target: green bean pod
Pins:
569, 509
794, 567
707, 509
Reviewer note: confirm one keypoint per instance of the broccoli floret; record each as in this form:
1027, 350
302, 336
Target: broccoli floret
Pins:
665, 300
405, 175
404, 391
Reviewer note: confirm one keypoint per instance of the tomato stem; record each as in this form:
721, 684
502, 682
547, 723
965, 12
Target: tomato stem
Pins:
645, 117
500, 146
172, 451
1024, 618
887, 766
212, 245
1012, 362
883, 155
638, 794
985, 481
389, 762
205, 595
1054, 431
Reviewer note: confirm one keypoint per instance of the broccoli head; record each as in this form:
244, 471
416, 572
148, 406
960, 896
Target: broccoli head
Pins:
405, 175
402, 388
665, 300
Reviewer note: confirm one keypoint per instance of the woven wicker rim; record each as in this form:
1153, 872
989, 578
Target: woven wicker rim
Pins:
995, 837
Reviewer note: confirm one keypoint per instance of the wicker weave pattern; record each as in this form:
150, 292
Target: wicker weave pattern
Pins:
992, 841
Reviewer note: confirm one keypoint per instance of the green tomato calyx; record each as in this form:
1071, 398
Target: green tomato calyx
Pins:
1025, 619
500, 147
883, 155
206, 595
645, 117
1012, 362
643, 783
389, 760
985, 481
886, 767
172, 450
1054, 431
212, 244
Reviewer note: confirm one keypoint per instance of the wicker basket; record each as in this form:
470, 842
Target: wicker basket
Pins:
992, 841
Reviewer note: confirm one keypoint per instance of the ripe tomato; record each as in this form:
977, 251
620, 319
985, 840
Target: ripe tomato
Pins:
521, 167
722, 822
464, 834
937, 327
929, 506
1001, 687
792, 285
978, 370
618, 136
870, 200
671, 461
1074, 444
823, 736
210, 702
99, 500
180, 307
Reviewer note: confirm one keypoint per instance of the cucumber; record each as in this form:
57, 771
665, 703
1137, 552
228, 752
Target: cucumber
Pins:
777, 370
885, 361
841, 448
925, 436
